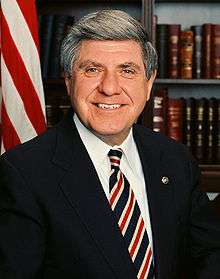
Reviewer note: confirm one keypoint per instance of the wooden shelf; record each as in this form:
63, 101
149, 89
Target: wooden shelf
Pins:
187, 1
210, 178
42, 2
188, 81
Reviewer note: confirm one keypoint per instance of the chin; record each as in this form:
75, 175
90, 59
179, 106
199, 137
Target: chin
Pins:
113, 136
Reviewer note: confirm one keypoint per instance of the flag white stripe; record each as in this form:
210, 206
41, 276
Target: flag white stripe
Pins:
14, 106
25, 44
2, 148
0, 96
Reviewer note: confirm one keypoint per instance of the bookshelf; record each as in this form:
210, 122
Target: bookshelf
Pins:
188, 81
143, 10
188, 13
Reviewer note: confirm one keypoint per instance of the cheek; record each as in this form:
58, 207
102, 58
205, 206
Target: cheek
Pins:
138, 95
84, 89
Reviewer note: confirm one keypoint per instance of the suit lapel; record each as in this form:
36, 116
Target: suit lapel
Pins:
83, 190
160, 200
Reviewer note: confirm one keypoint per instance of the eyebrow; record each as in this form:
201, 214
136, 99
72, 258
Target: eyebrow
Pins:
85, 63
128, 65
124, 65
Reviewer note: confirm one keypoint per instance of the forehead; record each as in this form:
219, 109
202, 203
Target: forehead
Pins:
111, 51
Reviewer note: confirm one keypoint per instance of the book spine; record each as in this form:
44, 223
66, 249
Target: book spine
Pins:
154, 30
211, 130
189, 123
45, 42
206, 65
59, 28
162, 50
175, 119
186, 54
160, 110
217, 149
52, 112
197, 51
215, 51
200, 130
173, 51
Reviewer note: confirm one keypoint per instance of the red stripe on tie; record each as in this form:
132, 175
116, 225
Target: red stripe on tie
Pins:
146, 265
115, 161
127, 212
22, 80
137, 238
112, 199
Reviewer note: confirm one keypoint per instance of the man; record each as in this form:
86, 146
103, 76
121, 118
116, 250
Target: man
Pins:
98, 196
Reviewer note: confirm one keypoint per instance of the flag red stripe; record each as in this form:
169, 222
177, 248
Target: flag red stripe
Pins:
30, 16
22, 80
9, 135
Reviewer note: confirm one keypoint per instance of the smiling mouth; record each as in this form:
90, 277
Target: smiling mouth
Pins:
107, 106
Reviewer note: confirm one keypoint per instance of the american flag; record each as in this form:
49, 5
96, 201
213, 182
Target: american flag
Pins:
22, 106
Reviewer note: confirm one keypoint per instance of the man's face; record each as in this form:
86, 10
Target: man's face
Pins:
108, 88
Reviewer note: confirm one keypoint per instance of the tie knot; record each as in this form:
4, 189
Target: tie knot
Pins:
115, 157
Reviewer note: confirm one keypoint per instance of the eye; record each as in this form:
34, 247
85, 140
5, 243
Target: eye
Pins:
92, 71
128, 72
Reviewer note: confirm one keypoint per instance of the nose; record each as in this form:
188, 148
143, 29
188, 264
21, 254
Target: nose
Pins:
109, 84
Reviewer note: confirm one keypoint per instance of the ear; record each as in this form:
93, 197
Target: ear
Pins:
149, 84
68, 82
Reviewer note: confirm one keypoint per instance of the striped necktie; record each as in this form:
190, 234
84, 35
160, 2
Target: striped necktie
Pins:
130, 221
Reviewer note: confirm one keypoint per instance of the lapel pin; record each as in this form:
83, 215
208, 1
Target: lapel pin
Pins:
165, 180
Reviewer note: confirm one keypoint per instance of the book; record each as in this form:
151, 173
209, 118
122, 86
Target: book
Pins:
59, 30
154, 28
160, 110
200, 130
217, 149
52, 113
46, 28
189, 123
197, 51
215, 51
211, 130
186, 54
206, 49
64, 105
162, 50
173, 50
175, 119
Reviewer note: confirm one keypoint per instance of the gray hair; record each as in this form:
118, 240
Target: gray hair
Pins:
106, 25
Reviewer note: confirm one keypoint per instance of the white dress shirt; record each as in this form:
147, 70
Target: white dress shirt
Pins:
130, 165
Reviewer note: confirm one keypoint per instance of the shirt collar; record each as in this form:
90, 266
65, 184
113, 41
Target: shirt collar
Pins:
98, 150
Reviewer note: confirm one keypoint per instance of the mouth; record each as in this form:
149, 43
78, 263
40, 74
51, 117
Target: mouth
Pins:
108, 106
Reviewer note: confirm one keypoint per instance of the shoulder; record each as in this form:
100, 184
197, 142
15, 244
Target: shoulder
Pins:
158, 140
168, 153
34, 148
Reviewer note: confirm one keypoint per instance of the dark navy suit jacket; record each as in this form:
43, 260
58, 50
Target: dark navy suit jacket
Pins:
56, 222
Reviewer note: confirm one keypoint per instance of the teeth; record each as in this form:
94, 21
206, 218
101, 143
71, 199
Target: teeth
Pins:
105, 106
